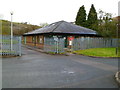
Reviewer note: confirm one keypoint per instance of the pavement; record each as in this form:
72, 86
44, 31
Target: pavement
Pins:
39, 70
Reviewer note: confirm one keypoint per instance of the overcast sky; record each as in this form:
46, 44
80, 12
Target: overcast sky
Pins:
49, 11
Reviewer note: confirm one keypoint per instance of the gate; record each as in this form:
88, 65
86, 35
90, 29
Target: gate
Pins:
5, 46
55, 45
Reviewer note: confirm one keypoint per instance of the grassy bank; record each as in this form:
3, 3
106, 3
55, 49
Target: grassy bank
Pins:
98, 52
8, 41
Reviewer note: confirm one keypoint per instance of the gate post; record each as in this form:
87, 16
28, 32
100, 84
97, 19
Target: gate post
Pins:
20, 52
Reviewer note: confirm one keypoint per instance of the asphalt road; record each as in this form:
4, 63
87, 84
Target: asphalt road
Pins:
39, 70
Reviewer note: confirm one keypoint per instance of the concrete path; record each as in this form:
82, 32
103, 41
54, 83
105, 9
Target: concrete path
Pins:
39, 70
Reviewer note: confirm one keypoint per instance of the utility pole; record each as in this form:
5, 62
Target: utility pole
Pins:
11, 32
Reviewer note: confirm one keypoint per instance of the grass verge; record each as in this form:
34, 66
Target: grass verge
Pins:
98, 52
53, 53
8, 41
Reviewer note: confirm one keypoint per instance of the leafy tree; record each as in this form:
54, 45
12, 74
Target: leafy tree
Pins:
81, 17
107, 26
100, 16
92, 21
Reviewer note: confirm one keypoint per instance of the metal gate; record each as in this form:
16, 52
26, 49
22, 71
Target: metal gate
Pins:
5, 45
54, 44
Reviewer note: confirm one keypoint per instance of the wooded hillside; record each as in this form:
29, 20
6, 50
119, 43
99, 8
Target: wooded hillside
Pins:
18, 28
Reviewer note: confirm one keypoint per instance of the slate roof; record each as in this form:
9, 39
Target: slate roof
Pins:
62, 27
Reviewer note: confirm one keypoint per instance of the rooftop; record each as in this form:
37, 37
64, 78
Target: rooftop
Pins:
62, 27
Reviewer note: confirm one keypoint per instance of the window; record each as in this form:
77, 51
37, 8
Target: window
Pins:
33, 39
40, 40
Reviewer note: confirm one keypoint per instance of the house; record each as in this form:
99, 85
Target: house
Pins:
61, 29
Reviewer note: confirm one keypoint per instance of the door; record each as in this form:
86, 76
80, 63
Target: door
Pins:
66, 42
24, 40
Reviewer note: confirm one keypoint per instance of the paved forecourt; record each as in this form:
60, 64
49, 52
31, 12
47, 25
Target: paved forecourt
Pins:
39, 70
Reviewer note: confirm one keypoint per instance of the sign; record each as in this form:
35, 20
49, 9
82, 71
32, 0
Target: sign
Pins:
70, 38
55, 38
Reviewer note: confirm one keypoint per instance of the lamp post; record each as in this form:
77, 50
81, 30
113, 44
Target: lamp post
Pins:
117, 39
11, 32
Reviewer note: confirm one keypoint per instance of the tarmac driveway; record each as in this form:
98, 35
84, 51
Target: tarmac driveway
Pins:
39, 70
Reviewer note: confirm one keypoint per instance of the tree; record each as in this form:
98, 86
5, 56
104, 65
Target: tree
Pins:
43, 24
81, 17
92, 20
107, 26
100, 16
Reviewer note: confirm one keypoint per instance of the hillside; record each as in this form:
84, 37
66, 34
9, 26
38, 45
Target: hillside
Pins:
18, 28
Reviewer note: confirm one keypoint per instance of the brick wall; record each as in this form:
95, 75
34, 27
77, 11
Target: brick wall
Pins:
37, 41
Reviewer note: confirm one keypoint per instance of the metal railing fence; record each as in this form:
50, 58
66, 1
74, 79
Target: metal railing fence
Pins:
88, 42
5, 45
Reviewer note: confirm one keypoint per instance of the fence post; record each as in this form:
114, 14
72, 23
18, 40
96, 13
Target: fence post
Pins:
20, 52
57, 46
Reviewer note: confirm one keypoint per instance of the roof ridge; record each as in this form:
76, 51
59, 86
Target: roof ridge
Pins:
57, 25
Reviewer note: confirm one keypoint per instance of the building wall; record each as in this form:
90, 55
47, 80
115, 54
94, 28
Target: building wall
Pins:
38, 40
29, 41
34, 40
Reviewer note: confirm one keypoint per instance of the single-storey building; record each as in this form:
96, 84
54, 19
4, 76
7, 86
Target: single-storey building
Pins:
61, 29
